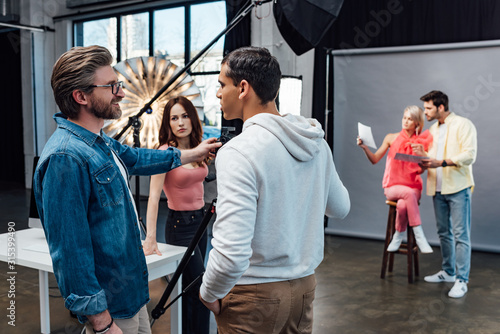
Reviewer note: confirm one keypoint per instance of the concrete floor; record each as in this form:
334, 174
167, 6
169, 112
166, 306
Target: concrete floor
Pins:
350, 297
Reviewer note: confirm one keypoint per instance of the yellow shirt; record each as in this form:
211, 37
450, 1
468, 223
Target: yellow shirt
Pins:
461, 148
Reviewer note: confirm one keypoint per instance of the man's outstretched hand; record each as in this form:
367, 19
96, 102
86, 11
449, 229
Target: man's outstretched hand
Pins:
206, 149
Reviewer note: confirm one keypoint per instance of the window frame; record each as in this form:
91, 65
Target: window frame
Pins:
77, 37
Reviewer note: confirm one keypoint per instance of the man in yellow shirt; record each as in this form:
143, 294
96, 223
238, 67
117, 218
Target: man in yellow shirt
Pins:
450, 182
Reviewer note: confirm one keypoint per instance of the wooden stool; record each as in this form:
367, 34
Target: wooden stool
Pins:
410, 248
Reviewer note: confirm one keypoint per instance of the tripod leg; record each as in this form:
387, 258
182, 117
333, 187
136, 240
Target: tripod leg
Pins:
159, 309
193, 283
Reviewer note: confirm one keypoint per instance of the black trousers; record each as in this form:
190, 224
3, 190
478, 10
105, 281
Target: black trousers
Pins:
179, 231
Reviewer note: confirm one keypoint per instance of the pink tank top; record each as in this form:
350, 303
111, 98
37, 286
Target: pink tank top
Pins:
399, 172
184, 187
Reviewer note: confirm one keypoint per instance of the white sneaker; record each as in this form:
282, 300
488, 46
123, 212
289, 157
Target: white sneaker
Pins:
441, 276
459, 289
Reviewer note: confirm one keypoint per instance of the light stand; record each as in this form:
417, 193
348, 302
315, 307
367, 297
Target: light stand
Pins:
159, 310
137, 125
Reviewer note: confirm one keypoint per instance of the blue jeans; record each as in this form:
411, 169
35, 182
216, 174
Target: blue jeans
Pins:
453, 219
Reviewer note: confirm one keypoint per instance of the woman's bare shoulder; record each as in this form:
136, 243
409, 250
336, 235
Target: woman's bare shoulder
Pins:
389, 138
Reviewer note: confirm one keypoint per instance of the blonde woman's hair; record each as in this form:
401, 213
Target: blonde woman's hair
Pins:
75, 69
417, 115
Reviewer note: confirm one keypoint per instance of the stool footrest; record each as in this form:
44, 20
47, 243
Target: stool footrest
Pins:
391, 203
409, 248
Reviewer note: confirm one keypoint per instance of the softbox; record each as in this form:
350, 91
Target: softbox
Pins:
303, 23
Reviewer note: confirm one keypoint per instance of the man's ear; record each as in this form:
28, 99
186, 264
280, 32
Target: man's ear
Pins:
80, 97
441, 108
244, 87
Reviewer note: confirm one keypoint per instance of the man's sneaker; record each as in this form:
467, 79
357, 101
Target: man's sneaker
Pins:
441, 276
459, 289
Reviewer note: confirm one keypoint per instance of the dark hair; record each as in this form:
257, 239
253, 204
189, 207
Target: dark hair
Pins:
257, 66
437, 97
75, 69
166, 136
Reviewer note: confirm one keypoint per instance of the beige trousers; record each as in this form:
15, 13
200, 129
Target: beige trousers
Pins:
138, 324
279, 307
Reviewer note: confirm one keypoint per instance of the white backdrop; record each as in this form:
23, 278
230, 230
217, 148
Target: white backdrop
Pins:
374, 86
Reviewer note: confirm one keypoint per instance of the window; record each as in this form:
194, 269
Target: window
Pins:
290, 95
177, 33
134, 34
169, 37
98, 32
207, 20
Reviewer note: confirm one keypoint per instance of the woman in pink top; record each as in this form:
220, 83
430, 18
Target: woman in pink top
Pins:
402, 181
183, 187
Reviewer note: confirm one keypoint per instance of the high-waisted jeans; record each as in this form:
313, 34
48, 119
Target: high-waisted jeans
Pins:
407, 207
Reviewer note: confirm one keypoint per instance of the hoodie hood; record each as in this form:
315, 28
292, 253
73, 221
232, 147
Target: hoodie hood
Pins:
301, 136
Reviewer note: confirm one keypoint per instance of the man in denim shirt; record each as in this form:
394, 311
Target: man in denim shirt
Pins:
85, 204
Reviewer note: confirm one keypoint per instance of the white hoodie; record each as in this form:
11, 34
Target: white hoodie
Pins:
275, 182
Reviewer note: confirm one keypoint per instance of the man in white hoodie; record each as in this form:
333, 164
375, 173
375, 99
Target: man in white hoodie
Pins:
276, 181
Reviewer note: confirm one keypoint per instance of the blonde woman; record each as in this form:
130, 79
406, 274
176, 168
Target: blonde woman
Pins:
402, 181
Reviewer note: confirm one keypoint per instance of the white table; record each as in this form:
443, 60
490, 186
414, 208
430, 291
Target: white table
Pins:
32, 251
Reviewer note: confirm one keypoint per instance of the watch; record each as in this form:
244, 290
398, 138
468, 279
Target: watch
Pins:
444, 164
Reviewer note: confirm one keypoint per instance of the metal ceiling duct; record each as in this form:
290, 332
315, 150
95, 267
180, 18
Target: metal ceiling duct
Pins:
9, 11
82, 3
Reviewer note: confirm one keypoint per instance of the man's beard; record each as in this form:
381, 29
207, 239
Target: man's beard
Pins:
104, 110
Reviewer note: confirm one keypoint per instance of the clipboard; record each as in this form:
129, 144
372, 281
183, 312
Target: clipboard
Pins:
410, 158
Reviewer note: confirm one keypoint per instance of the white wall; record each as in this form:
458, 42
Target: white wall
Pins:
375, 86
38, 54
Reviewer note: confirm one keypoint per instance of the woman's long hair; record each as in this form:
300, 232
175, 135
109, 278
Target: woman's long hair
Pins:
166, 136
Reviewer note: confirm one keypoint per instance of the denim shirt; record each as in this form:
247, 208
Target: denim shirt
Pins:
89, 219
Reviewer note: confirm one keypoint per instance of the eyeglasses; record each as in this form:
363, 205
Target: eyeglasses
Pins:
114, 87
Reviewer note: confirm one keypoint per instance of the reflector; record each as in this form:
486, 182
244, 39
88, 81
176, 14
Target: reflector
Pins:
303, 23
142, 78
